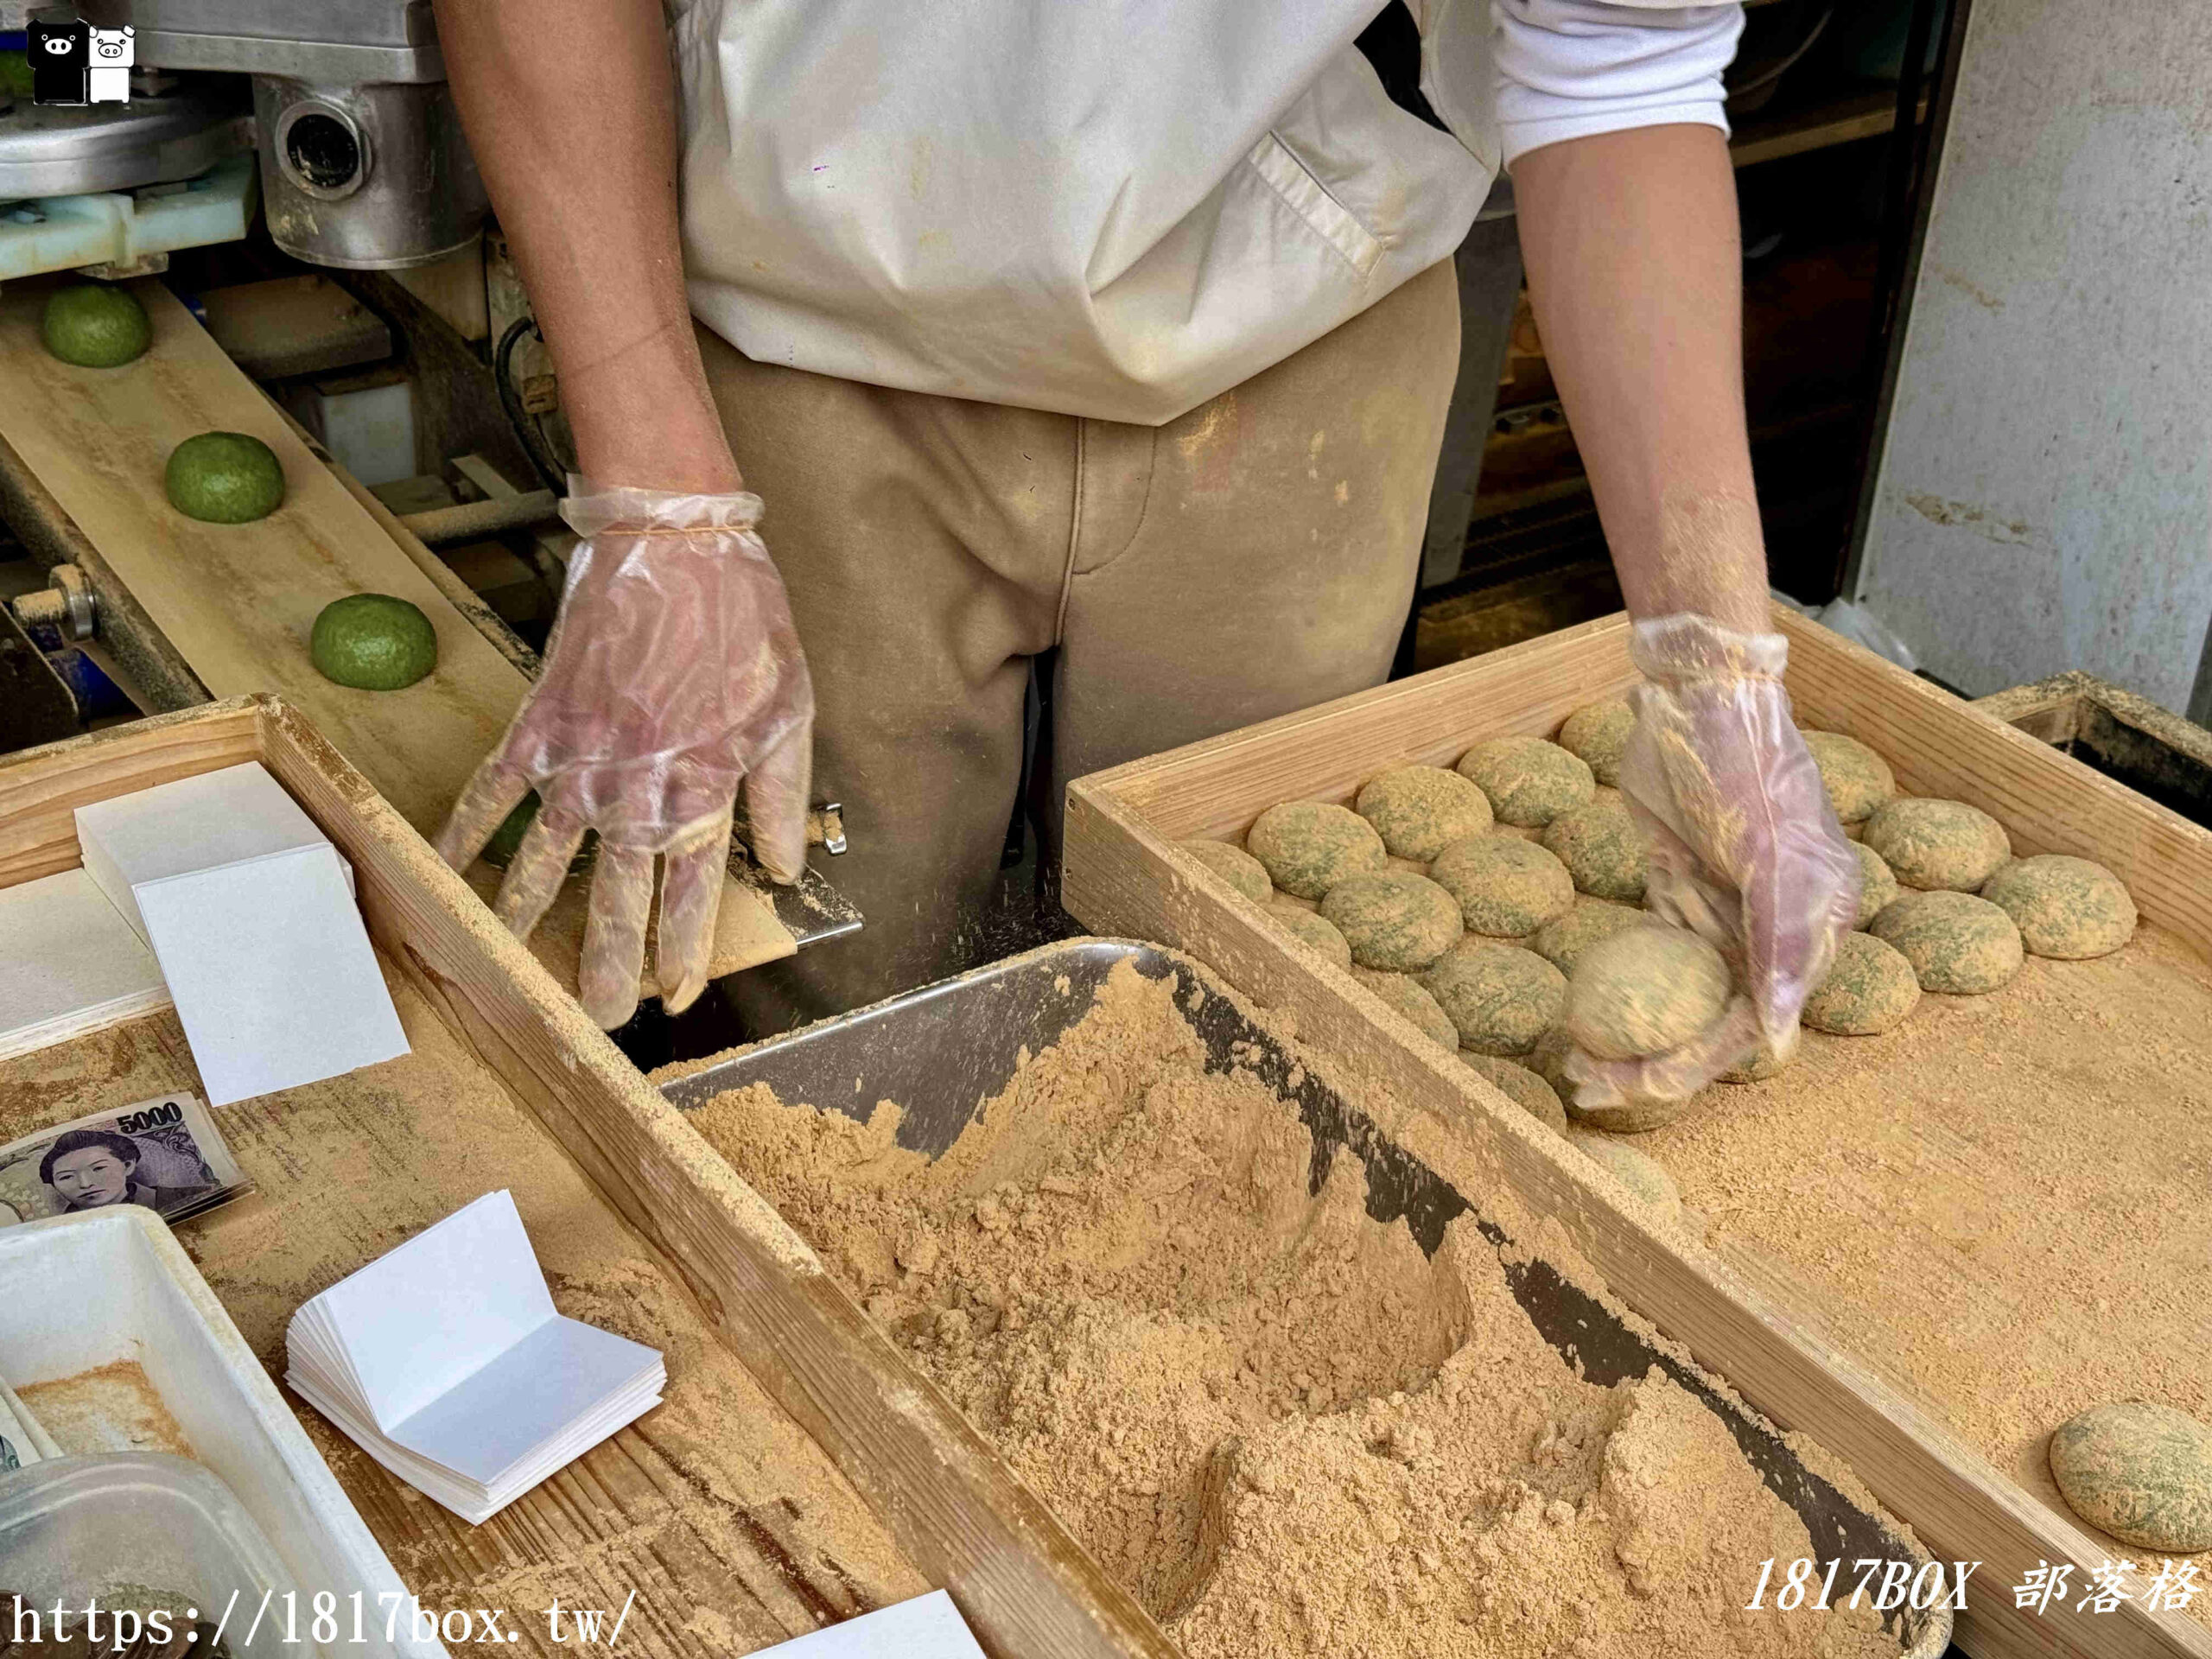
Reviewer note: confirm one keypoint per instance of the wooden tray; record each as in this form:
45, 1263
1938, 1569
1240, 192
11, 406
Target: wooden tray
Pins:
1122, 876
798, 1470
2113, 731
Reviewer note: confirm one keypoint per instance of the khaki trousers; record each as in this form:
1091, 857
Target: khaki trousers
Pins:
1254, 556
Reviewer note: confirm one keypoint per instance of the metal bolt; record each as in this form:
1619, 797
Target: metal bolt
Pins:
66, 603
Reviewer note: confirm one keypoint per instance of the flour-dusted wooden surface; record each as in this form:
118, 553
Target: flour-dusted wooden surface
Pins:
1122, 875
237, 601
734, 1529
951, 1510
2044, 499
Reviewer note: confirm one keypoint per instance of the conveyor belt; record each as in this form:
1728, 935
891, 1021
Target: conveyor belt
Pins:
193, 610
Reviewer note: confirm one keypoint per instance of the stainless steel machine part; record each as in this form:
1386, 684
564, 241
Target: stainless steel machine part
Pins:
65, 604
943, 1050
47, 150
339, 42
812, 911
363, 163
370, 177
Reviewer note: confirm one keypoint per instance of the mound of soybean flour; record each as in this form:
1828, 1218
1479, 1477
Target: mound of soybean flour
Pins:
1275, 1421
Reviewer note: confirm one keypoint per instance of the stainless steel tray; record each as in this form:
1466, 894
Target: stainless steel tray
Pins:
943, 1050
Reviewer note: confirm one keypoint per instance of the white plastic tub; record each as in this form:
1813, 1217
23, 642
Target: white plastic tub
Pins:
74, 1529
83, 1291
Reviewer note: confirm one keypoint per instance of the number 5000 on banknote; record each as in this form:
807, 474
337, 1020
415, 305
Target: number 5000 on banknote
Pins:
165, 1153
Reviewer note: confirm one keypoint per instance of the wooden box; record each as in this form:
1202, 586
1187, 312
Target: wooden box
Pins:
798, 1470
2115, 732
1122, 875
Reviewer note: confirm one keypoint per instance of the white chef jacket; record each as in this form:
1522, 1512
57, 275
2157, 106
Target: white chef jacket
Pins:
1118, 208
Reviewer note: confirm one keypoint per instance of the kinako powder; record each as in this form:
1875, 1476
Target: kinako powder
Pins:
1272, 1418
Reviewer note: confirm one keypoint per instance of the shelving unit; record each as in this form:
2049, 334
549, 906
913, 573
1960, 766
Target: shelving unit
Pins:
1844, 120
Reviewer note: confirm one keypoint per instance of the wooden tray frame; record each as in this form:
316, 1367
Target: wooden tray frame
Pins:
953, 1508
2149, 749
1122, 875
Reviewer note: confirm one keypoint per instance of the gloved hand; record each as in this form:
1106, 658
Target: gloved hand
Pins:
673, 672
1746, 848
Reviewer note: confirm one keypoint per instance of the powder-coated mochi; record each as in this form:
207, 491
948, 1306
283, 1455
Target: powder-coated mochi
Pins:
1869, 988
1233, 865
1506, 887
1405, 995
1529, 782
1938, 846
1310, 929
1878, 884
1563, 940
2065, 907
1645, 991
1397, 921
1857, 779
1500, 998
1420, 811
1604, 848
1521, 1086
1307, 847
1760, 1066
1957, 942
2140, 1472
1597, 735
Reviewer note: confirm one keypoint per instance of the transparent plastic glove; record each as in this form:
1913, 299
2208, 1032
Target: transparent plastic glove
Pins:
673, 673
1746, 850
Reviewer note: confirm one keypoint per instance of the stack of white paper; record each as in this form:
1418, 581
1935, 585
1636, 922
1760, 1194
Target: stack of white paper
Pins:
69, 964
251, 913
445, 1362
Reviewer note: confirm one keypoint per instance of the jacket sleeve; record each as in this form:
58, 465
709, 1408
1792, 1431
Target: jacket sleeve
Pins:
1572, 69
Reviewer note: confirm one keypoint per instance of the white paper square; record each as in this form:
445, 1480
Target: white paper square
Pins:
423, 1317
66, 957
483, 1389
545, 1390
928, 1627
271, 971
217, 818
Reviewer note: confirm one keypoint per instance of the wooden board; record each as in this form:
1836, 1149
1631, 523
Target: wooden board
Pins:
237, 602
294, 325
536, 1071
1120, 875
1841, 121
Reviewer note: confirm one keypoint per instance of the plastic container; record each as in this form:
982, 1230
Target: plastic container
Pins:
74, 1531
120, 227
83, 1291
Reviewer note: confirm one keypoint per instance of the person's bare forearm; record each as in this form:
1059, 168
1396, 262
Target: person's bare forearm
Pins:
1635, 271
570, 108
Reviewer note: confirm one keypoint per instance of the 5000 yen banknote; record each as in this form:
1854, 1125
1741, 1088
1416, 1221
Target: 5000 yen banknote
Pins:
165, 1153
